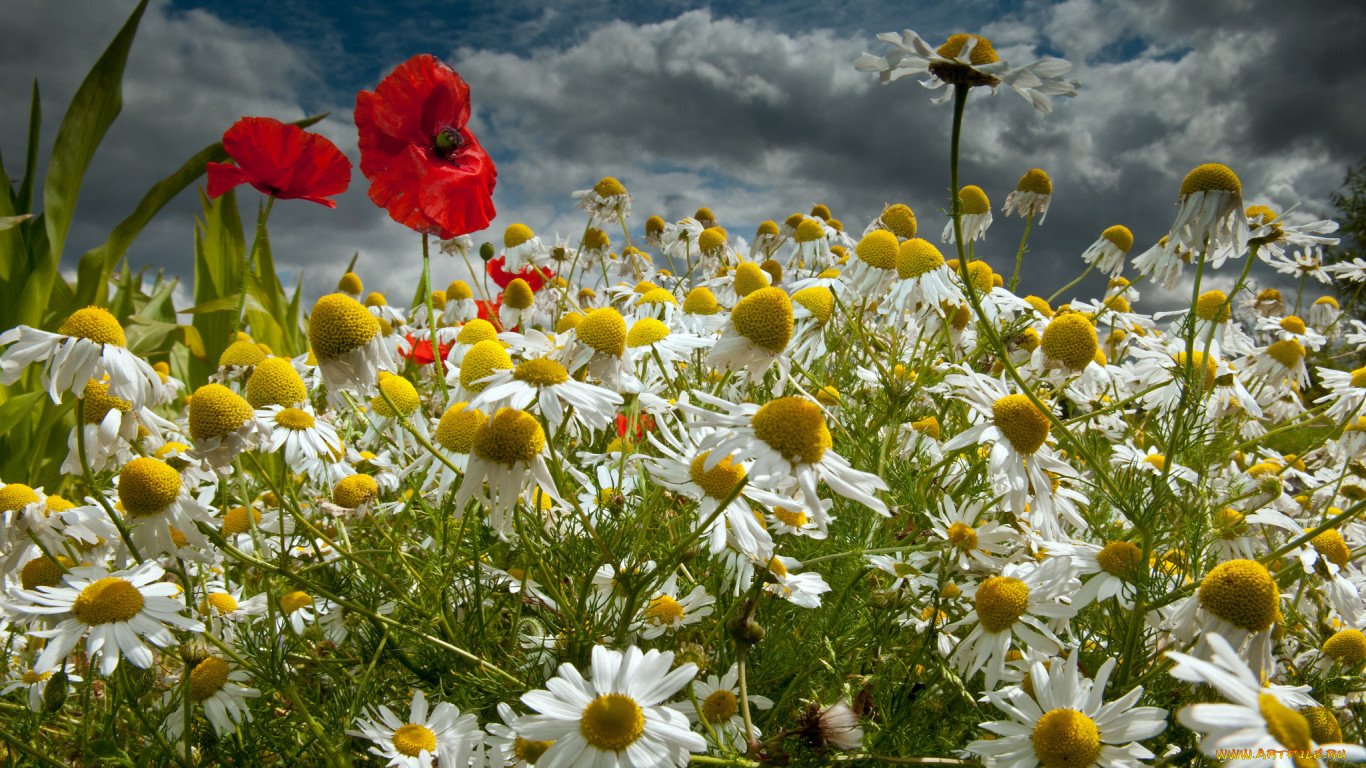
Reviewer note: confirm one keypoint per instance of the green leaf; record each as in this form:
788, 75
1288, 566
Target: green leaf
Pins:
10, 222
18, 408
96, 103
223, 304
24, 200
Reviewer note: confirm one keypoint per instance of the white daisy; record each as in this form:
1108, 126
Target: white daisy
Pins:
718, 699
215, 686
1066, 721
1108, 251
439, 735
113, 612
508, 456
1008, 610
616, 718
90, 344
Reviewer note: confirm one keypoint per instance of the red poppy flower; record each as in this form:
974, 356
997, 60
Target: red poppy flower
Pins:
281, 160
644, 422
424, 165
534, 276
421, 353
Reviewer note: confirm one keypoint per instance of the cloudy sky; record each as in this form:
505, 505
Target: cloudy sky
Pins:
755, 111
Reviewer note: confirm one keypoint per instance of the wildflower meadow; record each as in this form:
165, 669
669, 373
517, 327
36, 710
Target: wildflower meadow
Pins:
664, 494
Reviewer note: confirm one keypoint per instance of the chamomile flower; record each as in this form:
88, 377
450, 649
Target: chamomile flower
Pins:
799, 588
1262, 720
924, 282
218, 688
756, 333
36, 682
608, 200
90, 344
968, 60
1113, 570
509, 454
719, 701
1013, 607
305, 439
430, 736
1238, 602
1065, 721
155, 500
666, 612
546, 382
1108, 251
1346, 392
1031, 196
600, 344
298, 609
658, 350
968, 540
225, 609
974, 215
1152, 462
1211, 214
1291, 328
616, 717
116, 613
222, 424
347, 343
786, 438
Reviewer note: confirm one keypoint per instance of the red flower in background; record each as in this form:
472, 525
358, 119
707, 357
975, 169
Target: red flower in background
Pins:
280, 160
534, 276
424, 165
421, 353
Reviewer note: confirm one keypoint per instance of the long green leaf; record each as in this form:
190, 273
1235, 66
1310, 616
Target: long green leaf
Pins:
93, 109
24, 201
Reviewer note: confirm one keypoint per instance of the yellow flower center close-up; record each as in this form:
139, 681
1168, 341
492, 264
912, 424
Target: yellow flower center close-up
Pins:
216, 411
1211, 177
604, 331
1000, 602
765, 318
412, 739
1242, 593
95, 324
107, 601
1066, 738
794, 427
720, 481
148, 486
1022, 423
612, 722
510, 437
338, 325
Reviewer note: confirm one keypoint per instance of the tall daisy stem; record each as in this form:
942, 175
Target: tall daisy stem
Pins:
437, 360
1019, 254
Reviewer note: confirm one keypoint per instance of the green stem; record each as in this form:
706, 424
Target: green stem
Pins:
261, 239
440, 365
1019, 254
1070, 285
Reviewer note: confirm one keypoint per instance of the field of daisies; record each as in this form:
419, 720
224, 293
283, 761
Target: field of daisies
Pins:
663, 495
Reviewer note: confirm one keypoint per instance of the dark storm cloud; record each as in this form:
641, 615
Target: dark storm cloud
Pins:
756, 113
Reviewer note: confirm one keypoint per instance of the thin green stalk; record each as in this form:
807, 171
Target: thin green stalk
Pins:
261, 238
1019, 254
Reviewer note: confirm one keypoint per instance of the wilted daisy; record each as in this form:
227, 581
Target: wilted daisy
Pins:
616, 717
114, 612
974, 215
606, 201
438, 735
1065, 721
509, 453
1211, 212
756, 333
348, 344
787, 438
218, 688
90, 344
968, 60
1031, 196
1346, 392
1108, 251
222, 424
1260, 719
156, 500
545, 381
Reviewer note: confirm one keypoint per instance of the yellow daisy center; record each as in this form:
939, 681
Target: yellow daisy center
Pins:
794, 427
928, 426
663, 611
982, 52
1120, 558
16, 496
1000, 602
1039, 305
720, 481
1035, 180
518, 294
712, 239
596, 239
1347, 647
95, 324
516, 234
1324, 727
701, 301
220, 603
30, 677
510, 437
240, 353
458, 426
350, 283
1242, 593
612, 722
818, 300
963, 536
376, 299
1332, 547
216, 411
1065, 738
1213, 306
878, 249
765, 318
295, 418
1211, 366
1119, 236
400, 391
900, 219
482, 360
809, 231
609, 187
1293, 325
541, 372
604, 330
1359, 378
656, 296
972, 200
98, 402
275, 382
530, 751
148, 486
42, 572
412, 739
1211, 177
354, 491
790, 517
1285, 724
1071, 339
749, 277
1022, 423
1287, 352
207, 678
720, 706
239, 520
458, 290
646, 331
475, 331
107, 601
338, 325
296, 600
